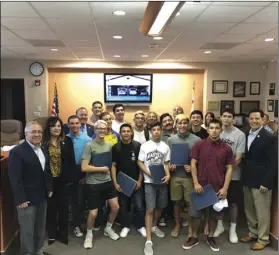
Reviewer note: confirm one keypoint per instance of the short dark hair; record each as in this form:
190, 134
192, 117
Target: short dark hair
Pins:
266, 116
97, 102
196, 112
117, 106
125, 125
215, 121
156, 124
257, 110
104, 114
80, 108
164, 115
228, 110
73, 117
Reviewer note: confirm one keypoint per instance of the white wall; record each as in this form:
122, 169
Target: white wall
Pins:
38, 96
271, 77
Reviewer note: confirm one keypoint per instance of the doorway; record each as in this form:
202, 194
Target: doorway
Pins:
13, 100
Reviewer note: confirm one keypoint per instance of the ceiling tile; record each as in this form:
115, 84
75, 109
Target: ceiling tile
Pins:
267, 15
35, 34
17, 9
72, 10
227, 13
243, 3
252, 28
234, 38
23, 23
271, 34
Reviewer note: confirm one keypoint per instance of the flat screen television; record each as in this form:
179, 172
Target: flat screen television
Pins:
128, 88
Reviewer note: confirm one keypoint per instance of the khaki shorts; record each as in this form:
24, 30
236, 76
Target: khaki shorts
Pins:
181, 188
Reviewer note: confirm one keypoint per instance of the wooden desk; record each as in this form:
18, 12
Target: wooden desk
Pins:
8, 216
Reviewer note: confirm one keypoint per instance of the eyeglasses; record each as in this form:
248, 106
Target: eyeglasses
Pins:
102, 129
36, 132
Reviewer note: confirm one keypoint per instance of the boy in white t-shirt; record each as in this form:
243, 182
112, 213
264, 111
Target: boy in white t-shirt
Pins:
154, 152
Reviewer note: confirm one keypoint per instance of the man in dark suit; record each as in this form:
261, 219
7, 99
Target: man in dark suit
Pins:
31, 184
82, 113
258, 177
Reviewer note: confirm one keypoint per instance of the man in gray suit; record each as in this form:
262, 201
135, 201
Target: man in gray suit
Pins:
31, 183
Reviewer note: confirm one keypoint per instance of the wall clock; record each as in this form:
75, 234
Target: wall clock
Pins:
36, 69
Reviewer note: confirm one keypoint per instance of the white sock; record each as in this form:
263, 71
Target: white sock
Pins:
220, 223
89, 232
233, 226
153, 228
109, 225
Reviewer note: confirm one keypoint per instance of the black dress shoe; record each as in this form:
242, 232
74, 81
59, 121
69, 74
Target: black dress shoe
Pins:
63, 238
51, 241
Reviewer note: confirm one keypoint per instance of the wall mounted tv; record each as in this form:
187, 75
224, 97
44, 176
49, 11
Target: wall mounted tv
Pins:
128, 88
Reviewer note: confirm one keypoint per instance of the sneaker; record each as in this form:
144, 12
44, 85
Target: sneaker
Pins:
185, 224
148, 250
142, 231
110, 233
219, 230
190, 243
158, 232
233, 236
212, 244
162, 222
88, 242
96, 228
78, 232
124, 232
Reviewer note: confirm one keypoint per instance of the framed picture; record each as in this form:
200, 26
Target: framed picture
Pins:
239, 88
226, 104
247, 106
213, 105
276, 109
270, 105
272, 89
219, 87
255, 88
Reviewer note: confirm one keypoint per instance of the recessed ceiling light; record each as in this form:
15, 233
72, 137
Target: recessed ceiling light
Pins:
117, 37
116, 56
119, 13
207, 52
54, 49
157, 38
144, 56
177, 14
269, 39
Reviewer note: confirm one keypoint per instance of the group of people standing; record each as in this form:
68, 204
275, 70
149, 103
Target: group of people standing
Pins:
56, 163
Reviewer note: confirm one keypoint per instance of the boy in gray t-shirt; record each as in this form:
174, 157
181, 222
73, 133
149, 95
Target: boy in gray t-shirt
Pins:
237, 140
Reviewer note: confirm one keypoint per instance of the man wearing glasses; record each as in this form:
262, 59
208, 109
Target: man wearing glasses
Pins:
141, 134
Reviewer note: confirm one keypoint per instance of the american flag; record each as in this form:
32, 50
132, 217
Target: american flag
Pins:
55, 106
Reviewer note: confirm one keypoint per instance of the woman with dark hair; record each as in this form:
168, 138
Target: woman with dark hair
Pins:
62, 165
209, 116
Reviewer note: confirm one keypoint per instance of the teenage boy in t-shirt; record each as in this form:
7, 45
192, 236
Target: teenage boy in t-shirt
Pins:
99, 184
154, 152
124, 158
236, 139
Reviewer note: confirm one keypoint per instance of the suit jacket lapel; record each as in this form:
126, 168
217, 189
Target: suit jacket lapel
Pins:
256, 141
32, 154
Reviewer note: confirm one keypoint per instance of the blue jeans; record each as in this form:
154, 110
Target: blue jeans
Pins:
125, 202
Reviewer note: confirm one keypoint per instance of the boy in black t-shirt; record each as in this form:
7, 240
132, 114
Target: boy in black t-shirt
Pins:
124, 158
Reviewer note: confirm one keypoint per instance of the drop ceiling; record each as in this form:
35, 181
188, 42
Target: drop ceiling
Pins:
85, 30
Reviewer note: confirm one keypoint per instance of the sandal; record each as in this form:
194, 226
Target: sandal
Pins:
175, 233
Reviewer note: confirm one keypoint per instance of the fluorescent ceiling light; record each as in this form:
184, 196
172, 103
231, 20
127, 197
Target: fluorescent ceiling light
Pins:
163, 16
116, 56
119, 13
144, 56
117, 37
207, 52
269, 39
157, 38
54, 49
